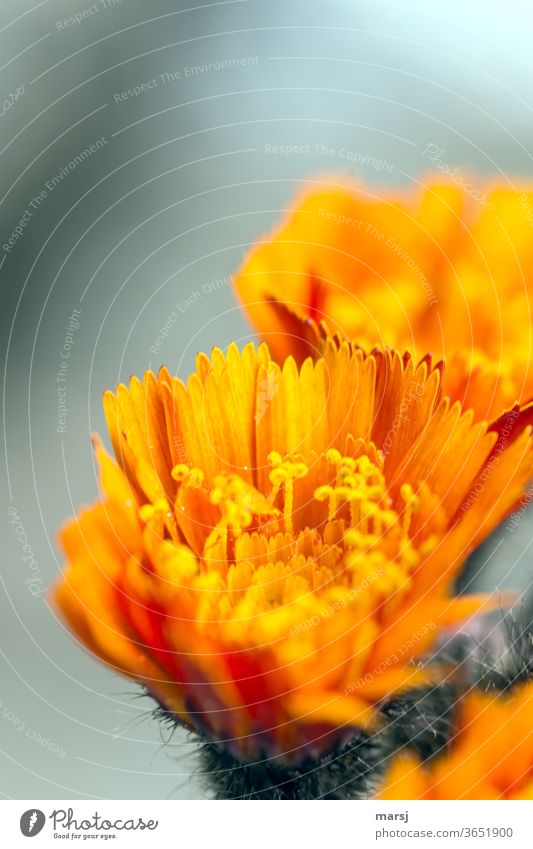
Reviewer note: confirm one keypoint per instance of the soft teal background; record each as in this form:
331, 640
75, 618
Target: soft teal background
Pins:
169, 203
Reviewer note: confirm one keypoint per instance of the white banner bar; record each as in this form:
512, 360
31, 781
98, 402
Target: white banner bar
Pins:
267, 825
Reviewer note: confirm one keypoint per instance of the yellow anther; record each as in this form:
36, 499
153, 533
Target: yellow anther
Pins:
333, 456
406, 491
359, 482
428, 545
236, 516
180, 472
348, 465
147, 511
412, 504
369, 508
184, 474
364, 464
364, 564
322, 493
225, 487
410, 557
374, 493
394, 579
357, 495
158, 508
230, 488
286, 470
355, 539
345, 493
388, 517
239, 502
278, 476
180, 565
216, 496
409, 496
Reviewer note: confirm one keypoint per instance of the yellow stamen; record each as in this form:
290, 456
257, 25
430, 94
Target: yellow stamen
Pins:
186, 477
412, 504
285, 472
157, 509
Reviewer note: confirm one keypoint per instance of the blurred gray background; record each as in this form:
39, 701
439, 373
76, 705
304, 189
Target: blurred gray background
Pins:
178, 183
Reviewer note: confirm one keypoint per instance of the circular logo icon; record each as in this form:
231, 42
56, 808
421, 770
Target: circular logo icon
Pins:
32, 822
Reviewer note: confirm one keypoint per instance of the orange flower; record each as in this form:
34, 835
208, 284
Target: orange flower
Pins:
436, 272
280, 543
491, 756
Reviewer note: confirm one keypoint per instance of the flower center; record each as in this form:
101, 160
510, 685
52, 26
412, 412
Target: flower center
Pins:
351, 540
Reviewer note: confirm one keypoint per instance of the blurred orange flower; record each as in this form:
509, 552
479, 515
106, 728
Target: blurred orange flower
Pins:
279, 544
491, 755
435, 271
